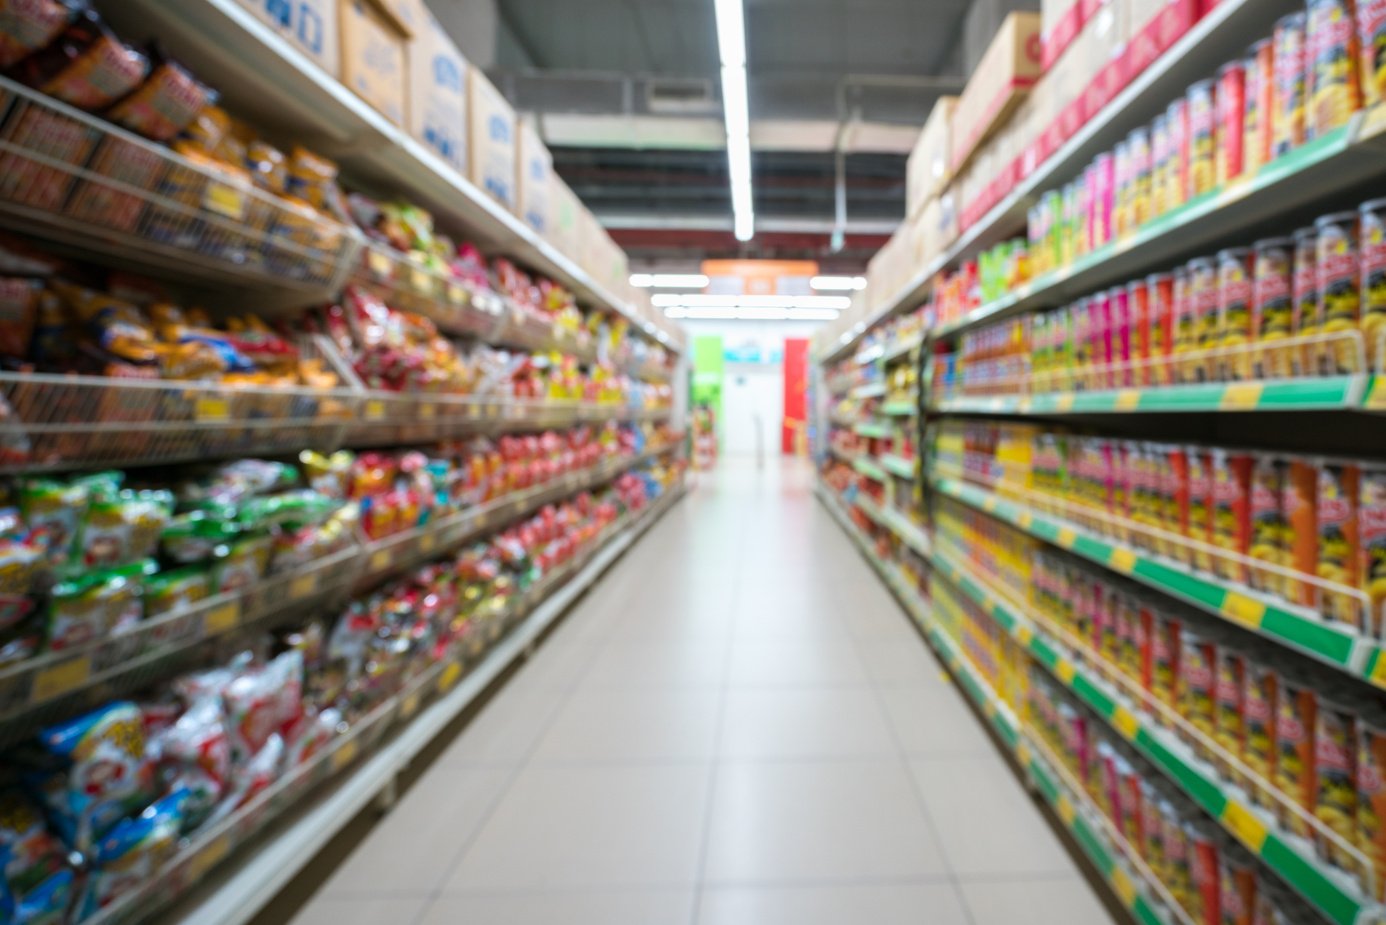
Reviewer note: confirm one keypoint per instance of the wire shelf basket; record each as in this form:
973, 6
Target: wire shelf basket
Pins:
74, 178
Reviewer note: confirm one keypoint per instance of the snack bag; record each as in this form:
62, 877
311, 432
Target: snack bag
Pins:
168, 100
1261, 709
194, 756
32, 854
132, 853
102, 774
1338, 552
1371, 794
1335, 778
1269, 528
86, 66
1371, 528
27, 26
1296, 708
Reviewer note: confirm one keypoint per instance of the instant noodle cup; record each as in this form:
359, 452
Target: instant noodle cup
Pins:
1302, 512
1371, 37
1202, 143
1288, 105
1230, 730
1181, 154
1371, 793
1331, 51
1371, 242
1236, 272
1371, 538
1339, 551
1260, 707
1205, 888
1295, 722
1340, 305
1237, 899
1198, 688
1335, 780
1260, 96
1230, 128
1305, 284
1272, 307
1269, 528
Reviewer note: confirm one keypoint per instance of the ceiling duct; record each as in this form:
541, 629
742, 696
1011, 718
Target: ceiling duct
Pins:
680, 96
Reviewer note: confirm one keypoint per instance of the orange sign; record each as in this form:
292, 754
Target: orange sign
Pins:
759, 277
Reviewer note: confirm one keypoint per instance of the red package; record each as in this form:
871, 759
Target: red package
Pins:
164, 104
28, 25
87, 66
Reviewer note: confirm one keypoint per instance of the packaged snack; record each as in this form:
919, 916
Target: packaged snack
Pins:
1160, 153
1339, 551
1202, 132
130, 855
1237, 898
102, 773
1332, 56
1372, 254
175, 589
95, 604
263, 702
19, 302
1272, 307
168, 100
1230, 490
1261, 709
54, 511
1236, 272
1140, 208
27, 26
1340, 307
1181, 153
1229, 161
1335, 778
1288, 113
1301, 509
1165, 654
1231, 712
1371, 793
1199, 525
193, 754
1296, 706
1306, 297
1179, 862
241, 564
120, 529
31, 853
86, 66
1371, 530
239, 481
1371, 37
1269, 527
1260, 100
1198, 686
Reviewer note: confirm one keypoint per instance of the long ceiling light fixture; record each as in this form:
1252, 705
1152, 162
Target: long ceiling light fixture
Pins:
752, 314
668, 280
731, 48
695, 300
837, 283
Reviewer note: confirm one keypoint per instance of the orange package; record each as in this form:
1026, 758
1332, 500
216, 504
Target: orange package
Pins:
1295, 722
1301, 510
1338, 549
1335, 778
1371, 794
1371, 540
1237, 901
1199, 523
1198, 689
1332, 59
1260, 707
1204, 887
1165, 651
1230, 476
1230, 732
1268, 525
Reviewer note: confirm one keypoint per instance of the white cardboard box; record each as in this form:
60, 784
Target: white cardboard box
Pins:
930, 163
309, 25
438, 92
374, 61
491, 139
534, 174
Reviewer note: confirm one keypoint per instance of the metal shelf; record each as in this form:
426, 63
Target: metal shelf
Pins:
48, 687
871, 429
908, 532
1338, 646
899, 409
1220, 36
898, 465
1328, 393
271, 82
1292, 859
289, 824
870, 390
867, 467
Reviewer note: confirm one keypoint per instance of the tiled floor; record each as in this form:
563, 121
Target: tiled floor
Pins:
737, 726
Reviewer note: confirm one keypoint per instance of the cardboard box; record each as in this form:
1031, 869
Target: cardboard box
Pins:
406, 16
311, 26
534, 176
562, 225
438, 93
1153, 26
1004, 76
1061, 21
928, 169
374, 63
1103, 43
491, 139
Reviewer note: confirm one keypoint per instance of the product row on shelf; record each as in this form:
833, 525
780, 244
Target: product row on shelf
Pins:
122, 151
237, 700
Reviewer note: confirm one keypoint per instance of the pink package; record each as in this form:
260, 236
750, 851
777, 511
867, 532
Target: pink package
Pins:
1123, 334
1103, 200
1100, 334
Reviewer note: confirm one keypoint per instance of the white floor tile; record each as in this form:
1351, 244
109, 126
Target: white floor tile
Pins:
911, 904
561, 908
1066, 901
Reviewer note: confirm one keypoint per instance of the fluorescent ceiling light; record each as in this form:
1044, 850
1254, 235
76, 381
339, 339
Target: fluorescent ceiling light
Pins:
668, 280
672, 300
838, 283
751, 314
731, 49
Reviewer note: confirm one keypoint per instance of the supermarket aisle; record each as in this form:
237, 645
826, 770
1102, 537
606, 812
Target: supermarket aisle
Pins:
735, 726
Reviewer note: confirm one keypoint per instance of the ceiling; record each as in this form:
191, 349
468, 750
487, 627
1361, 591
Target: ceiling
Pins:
626, 93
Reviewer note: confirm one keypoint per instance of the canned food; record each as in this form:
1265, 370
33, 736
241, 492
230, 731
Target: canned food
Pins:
1371, 243
1174, 493
1340, 306
1198, 688
1272, 308
1288, 112
1231, 710
1177, 860
1130, 808
1230, 125
1335, 775
1204, 885
1201, 296
1371, 36
1152, 844
1121, 196
1235, 274
1331, 52
1301, 509
1180, 156
1103, 200
1237, 901
1260, 706
1268, 525
1296, 706
1371, 529
1230, 491
1338, 552
1160, 299
1260, 93
1160, 152
1122, 352
1165, 649
1202, 138
1306, 296
1371, 794
1139, 208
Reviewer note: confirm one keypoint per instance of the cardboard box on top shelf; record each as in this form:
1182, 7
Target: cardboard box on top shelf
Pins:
490, 139
534, 180
928, 169
1104, 44
562, 224
438, 92
1002, 79
374, 59
1060, 23
406, 16
311, 26
591, 243
1153, 26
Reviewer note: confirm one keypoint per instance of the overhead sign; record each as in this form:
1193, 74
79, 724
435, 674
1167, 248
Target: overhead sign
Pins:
760, 277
